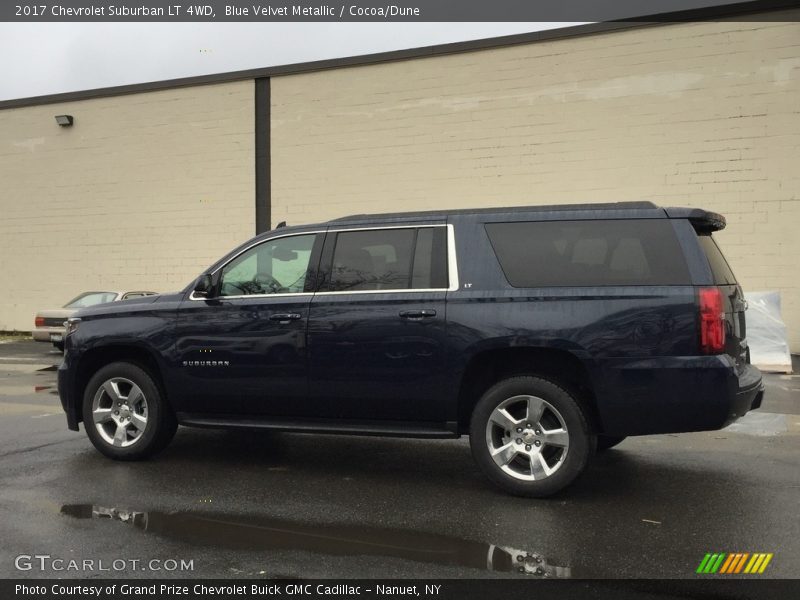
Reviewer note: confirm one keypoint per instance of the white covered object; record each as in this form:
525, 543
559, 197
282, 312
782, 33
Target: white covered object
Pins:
766, 332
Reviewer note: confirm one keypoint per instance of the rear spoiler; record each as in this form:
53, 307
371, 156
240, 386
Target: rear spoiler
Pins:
703, 221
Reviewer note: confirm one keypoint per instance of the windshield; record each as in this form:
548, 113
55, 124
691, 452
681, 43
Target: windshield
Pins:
90, 299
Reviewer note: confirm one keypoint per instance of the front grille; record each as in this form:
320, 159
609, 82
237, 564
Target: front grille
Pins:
54, 322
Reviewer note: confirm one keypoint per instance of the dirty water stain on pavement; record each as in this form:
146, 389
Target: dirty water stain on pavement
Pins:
262, 533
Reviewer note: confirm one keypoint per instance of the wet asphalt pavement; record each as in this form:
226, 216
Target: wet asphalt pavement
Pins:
296, 505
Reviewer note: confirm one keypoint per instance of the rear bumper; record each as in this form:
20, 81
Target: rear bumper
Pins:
42, 334
749, 395
676, 394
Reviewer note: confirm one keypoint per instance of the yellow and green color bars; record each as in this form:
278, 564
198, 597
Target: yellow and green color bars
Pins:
734, 562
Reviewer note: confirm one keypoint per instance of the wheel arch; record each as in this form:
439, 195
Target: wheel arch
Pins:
96, 358
564, 367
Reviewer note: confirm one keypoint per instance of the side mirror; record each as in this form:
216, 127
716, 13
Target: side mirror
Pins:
203, 286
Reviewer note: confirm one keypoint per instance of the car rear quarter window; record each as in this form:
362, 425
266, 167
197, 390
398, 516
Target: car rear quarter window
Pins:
720, 270
589, 253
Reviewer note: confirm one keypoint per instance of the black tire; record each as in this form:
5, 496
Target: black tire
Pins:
160, 424
604, 442
59, 346
568, 463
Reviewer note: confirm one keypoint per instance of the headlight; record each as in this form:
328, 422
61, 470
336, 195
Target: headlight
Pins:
72, 325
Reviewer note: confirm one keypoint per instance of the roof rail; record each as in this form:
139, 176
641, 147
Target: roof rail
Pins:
633, 205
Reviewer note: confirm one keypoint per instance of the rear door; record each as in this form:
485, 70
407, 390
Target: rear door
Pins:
734, 302
376, 329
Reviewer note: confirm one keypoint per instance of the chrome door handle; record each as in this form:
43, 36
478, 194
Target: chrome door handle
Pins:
417, 314
284, 317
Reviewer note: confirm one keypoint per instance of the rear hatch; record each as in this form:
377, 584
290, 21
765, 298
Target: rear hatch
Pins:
731, 303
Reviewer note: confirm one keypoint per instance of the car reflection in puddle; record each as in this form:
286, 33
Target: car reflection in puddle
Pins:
262, 533
50, 388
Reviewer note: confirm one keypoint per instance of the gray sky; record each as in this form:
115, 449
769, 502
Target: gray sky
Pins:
46, 58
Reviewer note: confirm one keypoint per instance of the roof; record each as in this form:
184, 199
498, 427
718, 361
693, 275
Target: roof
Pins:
699, 14
600, 206
703, 221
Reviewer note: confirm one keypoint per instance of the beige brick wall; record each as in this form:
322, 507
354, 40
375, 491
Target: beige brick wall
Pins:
143, 192
700, 114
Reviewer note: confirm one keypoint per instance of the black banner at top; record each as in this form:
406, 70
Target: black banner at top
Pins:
374, 10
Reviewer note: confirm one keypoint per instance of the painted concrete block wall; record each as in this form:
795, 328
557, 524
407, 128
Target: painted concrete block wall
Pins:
143, 191
698, 114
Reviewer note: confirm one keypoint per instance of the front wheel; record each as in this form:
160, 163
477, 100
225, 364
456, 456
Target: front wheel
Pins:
125, 414
530, 436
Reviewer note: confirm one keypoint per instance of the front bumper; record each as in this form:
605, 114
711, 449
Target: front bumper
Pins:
66, 387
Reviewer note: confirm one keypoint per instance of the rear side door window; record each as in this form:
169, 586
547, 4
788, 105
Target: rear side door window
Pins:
389, 260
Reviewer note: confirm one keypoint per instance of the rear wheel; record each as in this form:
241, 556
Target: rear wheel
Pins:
530, 436
59, 346
604, 442
125, 415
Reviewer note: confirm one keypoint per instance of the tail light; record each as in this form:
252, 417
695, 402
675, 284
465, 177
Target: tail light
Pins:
39, 322
712, 321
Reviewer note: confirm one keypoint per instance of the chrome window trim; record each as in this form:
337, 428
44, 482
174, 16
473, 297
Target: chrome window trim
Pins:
452, 259
392, 291
284, 295
452, 264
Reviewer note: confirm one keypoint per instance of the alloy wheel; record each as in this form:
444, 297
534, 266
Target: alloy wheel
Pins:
527, 437
119, 412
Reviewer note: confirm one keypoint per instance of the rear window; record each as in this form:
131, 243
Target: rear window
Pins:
589, 253
720, 270
90, 299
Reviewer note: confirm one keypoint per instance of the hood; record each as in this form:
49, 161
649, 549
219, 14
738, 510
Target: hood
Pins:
169, 297
123, 306
114, 307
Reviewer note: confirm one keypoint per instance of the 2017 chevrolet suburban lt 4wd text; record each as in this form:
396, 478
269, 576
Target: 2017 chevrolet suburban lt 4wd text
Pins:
545, 333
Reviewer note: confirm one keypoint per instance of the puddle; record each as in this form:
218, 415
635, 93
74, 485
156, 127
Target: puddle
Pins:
760, 423
262, 533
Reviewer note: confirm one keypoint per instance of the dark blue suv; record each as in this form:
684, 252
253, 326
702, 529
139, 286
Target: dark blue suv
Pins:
545, 333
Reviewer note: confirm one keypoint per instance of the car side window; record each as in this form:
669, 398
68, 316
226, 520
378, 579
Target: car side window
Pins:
389, 259
278, 266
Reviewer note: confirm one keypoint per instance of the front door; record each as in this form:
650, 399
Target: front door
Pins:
243, 351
